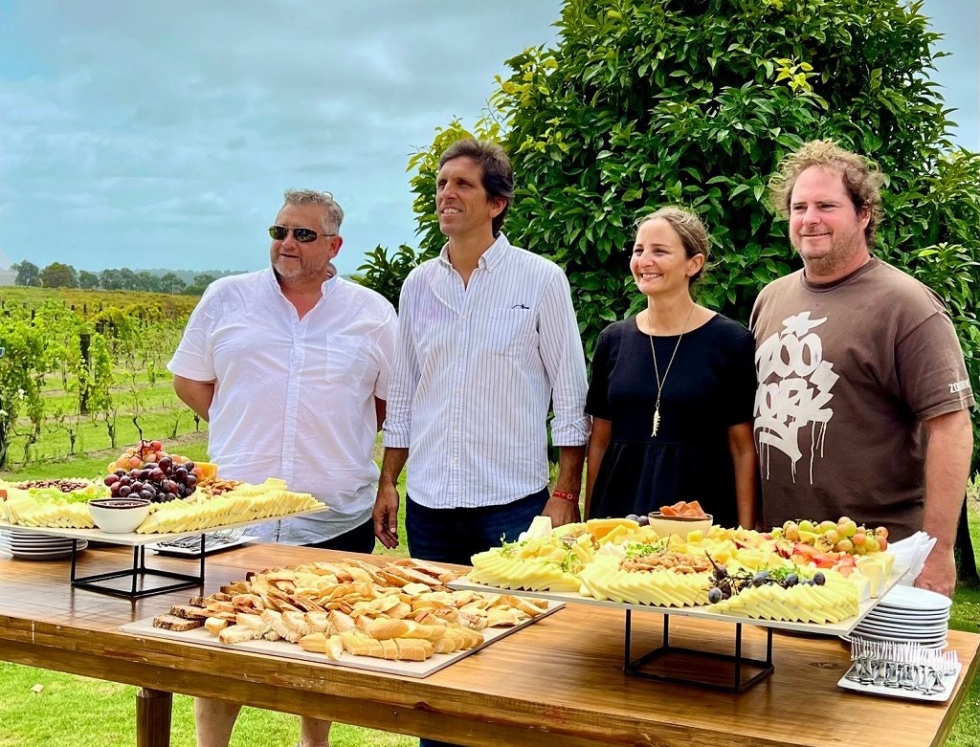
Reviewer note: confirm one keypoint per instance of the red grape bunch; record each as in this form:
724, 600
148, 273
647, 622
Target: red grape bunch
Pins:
158, 482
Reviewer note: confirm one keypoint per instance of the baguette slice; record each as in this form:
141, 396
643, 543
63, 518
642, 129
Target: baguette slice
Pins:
215, 625
413, 649
239, 634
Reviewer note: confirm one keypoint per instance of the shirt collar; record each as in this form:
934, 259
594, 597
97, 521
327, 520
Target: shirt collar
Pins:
490, 259
328, 285
823, 287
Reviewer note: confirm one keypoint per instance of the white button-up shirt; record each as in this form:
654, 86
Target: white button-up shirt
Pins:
475, 371
294, 397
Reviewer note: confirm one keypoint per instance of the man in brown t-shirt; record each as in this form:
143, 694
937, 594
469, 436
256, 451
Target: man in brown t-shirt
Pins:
863, 401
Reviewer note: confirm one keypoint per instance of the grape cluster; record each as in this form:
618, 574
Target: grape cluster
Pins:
726, 584
641, 519
158, 482
844, 535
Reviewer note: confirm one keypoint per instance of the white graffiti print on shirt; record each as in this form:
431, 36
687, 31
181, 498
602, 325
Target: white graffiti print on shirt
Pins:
795, 384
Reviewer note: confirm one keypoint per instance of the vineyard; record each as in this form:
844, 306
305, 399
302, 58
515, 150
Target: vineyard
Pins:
83, 371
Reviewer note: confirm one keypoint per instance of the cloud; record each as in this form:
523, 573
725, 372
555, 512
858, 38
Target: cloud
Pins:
163, 134
142, 123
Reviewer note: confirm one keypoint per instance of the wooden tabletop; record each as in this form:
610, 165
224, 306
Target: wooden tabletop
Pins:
557, 682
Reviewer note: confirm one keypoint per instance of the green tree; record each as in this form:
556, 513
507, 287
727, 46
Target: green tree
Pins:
170, 283
149, 282
203, 280
28, 274
694, 102
88, 280
59, 275
128, 279
111, 280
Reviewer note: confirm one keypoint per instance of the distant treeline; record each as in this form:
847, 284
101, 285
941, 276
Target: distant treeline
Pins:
60, 275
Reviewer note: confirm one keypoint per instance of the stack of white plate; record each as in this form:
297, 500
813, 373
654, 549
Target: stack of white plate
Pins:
908, 614
37, 546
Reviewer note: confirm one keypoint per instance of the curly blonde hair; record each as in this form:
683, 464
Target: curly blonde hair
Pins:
862, 179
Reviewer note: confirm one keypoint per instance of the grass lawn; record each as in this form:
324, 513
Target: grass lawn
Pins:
41, 708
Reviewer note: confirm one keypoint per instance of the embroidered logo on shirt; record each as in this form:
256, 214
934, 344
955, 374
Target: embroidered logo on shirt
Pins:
520, 306
959, 386
795, 384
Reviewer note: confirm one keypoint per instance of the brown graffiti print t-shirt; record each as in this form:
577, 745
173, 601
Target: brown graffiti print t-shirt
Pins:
848, 372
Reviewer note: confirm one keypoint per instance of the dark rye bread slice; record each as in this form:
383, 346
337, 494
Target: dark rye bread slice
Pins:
188, 611
179, 624
205, 601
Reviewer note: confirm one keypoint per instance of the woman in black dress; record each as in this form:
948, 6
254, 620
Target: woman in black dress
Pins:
672, 391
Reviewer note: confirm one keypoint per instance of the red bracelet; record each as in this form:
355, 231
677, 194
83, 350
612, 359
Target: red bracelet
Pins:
565, 496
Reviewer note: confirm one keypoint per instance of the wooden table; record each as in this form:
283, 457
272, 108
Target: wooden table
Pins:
557, 683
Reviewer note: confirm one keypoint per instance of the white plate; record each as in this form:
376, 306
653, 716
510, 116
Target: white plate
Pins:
82, 544
911, 617
46, 554
42, 541
42, 555
914, 629
896, 692
20, 534
927, 642
911, 598
37, 543
906, 632
914, 624
898, 636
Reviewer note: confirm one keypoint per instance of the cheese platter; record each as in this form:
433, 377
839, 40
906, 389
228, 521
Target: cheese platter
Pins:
135, 539
813, 584
705, 612
135, 582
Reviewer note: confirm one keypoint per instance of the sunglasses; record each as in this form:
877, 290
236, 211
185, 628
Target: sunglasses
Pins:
302, 235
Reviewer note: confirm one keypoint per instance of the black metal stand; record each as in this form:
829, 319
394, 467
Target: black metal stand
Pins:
737, 661
138, 575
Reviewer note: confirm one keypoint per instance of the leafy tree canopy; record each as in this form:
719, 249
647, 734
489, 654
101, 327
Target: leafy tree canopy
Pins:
28, 274
88, 280
59, 275
643, 103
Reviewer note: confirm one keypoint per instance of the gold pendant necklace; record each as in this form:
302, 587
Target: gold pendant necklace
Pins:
656, 370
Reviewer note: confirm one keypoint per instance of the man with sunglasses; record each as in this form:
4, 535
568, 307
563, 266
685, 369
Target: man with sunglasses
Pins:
290, 365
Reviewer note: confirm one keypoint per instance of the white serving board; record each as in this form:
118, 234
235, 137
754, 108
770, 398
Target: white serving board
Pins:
288, 650
132, 539
897, 692
704, 612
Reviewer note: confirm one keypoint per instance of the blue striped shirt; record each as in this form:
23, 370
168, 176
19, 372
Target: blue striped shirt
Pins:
475, 371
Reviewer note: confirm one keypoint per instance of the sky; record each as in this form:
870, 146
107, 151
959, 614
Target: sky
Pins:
162, 134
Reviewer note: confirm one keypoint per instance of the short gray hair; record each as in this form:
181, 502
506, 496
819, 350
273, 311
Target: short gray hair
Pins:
332, 212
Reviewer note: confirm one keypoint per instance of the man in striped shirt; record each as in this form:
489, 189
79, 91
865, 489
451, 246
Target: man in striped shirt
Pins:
487, 340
